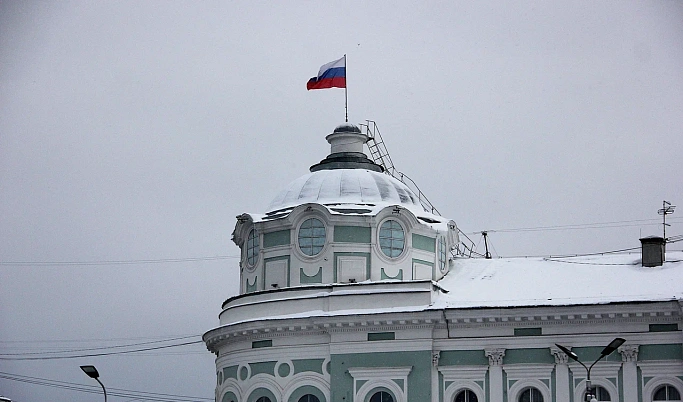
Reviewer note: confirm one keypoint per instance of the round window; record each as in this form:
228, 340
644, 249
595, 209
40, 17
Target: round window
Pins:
392, 238
312, 236
442, 254
252, 248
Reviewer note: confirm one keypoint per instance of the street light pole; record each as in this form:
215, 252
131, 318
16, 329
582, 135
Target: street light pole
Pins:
91, 371
605, 352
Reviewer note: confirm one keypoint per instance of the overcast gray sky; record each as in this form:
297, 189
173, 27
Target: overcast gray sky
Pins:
139, 130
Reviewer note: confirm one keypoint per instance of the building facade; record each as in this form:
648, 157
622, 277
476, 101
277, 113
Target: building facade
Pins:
350, 292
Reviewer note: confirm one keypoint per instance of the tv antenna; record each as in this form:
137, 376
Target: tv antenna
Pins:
667, 209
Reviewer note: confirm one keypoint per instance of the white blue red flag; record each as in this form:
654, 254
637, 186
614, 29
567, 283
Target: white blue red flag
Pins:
331, 75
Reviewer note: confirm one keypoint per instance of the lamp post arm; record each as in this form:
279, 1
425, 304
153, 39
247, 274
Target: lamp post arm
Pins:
589, 369
103, 389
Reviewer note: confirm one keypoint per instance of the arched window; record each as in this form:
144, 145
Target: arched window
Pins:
252, 248
309, 398
392, 238
600, 393
263, 399
466, 395
312, 236
666, 393
442, 254
530, 395
381, 396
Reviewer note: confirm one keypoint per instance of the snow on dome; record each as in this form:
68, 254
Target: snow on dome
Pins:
347, 127
346, 186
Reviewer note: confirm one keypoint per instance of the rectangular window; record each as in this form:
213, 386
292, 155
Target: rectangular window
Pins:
381, 336
528, 331
663, 327
262, 344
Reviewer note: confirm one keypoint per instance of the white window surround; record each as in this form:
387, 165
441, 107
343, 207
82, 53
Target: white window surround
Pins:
521, 385
664, 373
378, 377
528, 376
463, 377
407, 240
298, 221
266, 382
580, 388
599, 374
306, 379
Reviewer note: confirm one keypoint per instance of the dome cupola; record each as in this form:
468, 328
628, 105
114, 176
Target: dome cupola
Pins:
346, 143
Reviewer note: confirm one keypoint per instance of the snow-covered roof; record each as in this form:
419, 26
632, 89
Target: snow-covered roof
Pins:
510, 282
346, 186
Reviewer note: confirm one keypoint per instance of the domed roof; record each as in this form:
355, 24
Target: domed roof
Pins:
345, 186
347, 128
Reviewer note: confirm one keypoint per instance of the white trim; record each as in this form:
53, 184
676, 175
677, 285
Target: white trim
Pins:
463, 377
521, 385
264, 381
528, 371
303, 379
380, 377
580, 388
663, 372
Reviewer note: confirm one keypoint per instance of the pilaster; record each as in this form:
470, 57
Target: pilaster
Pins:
561, 374
629, 357
495, 372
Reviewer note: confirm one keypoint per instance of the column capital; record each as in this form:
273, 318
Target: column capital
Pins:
629, 353
559, 355
495, 356
435, 358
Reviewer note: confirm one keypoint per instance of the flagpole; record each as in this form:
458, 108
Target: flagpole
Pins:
346, 93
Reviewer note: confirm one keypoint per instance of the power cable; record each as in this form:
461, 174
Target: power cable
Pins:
99, 348
101, 354
596, 225
124, 393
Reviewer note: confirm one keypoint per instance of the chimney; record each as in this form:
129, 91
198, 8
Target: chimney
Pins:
652, 253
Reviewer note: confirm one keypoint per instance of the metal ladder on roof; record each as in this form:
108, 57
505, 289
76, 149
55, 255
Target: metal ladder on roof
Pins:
380, 155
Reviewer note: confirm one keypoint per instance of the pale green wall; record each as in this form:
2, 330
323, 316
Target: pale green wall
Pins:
660, 352
424, 243
279, 238
317, 278
419, 379
314, 365
352, 234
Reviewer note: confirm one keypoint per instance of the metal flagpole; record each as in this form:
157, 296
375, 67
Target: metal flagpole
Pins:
346, 91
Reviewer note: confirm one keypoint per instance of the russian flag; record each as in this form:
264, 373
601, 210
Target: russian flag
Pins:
331, 75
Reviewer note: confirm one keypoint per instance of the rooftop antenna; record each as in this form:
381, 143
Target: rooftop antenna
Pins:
667, 209
486, 243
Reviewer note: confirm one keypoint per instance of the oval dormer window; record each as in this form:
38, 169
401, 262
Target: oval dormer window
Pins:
252, 248
392, 238
312, 237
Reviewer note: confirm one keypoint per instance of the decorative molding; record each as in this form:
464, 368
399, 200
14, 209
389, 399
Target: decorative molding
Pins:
629, 353
560, 356
495, 356
528, 371
435, 358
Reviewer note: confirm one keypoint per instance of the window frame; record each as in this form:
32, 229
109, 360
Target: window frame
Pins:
442, 253
255, 246
467, 392
530, 388
298, 236
666, 387
402, 226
